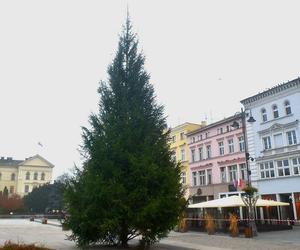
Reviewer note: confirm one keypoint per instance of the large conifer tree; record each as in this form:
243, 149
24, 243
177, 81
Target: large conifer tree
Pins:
129, 185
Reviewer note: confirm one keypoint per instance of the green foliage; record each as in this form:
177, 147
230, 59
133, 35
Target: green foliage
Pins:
129, 185
250, 190
45, 198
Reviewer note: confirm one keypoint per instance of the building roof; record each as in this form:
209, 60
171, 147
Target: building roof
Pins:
9, 161
274, 90
183, 125
215, 124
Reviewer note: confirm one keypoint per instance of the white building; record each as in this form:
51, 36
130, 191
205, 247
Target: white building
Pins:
21, 176
274, 143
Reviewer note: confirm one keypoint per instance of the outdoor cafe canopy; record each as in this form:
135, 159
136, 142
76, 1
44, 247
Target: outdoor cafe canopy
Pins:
235, 201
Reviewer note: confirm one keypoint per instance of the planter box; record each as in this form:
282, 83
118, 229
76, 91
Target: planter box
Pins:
248, 232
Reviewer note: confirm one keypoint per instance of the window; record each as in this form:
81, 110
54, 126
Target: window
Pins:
200, 154
209, 176
291, 137
182, 153
26, 188
283, 168
227, 128
243, 171
230, 145
0, 176
183, 177
220, 131
275, 111
223, 174
264, 116
13, 177
278, 141
42, 176
182, 136
202, 178
287, 108
35, 176
296, 166
201, 137
173, 155
267, 142
27, 176
232, 173
267, 170
195, 178
208, 151
242, 143
174, 138
193, 155
221, 148
11, 189
206, 134
193, 139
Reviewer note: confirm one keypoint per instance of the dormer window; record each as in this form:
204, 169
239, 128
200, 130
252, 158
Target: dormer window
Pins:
275, 111
287, 108
264, 115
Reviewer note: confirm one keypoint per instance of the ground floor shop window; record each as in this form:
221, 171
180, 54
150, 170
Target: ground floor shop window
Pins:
270, 212
297, 204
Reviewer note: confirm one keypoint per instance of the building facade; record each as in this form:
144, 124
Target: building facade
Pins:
274, 142
216, 159
21, 176
179, 147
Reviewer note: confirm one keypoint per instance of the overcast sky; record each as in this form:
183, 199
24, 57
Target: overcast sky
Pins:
203, 57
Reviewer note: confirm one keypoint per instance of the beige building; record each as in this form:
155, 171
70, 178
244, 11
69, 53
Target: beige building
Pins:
21, 176
179, 147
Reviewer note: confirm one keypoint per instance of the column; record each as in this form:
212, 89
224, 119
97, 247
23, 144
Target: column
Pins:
294, 207
278, 208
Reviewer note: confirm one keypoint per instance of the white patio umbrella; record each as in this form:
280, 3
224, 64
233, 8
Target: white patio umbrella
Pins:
235, 201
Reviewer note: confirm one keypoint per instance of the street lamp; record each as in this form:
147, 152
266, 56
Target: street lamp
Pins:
249, 200
236, 125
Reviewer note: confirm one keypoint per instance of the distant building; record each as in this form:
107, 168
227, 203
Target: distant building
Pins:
179, 147
217, 160
274, 142
21, 176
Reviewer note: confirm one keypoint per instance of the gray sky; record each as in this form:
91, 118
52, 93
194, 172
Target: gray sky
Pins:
203, 57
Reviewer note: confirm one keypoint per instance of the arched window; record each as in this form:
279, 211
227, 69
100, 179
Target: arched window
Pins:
275, 111
42, 176
13, 176
264, 115
287, 107
35, 176
27, 176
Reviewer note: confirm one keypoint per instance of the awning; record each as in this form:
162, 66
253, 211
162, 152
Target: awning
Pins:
235, 201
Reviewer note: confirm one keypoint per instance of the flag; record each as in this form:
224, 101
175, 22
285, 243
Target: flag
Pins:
235, 183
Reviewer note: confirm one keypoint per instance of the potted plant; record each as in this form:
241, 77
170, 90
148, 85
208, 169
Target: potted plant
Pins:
233, 228
210, 224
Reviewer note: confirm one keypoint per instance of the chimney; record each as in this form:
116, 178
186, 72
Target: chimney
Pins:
203, 124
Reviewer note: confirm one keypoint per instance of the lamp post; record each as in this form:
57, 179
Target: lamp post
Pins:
235, 124
249, 198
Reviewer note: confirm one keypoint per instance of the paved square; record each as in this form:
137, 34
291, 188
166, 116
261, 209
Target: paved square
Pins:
52, 236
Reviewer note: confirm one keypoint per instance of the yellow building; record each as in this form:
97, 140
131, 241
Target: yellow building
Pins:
179, 147
21, 176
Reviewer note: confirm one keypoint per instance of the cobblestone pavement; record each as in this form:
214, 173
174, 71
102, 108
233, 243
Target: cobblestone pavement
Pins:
52, 236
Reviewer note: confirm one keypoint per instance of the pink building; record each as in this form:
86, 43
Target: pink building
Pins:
217, 159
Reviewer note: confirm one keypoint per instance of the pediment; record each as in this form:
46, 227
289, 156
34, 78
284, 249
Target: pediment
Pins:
276, 126
38, 161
